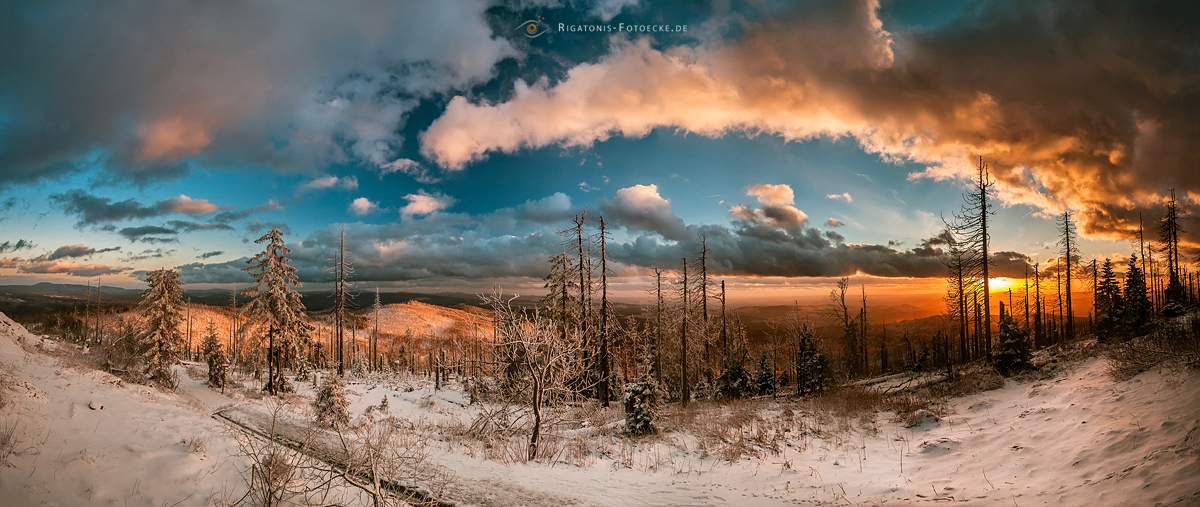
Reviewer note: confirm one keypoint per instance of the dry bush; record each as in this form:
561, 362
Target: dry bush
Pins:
1174, 344
196, 444
972, 381
14, 441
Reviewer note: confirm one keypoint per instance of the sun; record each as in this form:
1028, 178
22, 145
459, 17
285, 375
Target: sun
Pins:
1001, 284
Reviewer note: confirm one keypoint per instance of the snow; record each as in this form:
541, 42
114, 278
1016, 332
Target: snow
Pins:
1075, 438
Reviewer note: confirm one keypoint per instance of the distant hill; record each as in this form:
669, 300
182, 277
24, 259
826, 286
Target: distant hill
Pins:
41, 297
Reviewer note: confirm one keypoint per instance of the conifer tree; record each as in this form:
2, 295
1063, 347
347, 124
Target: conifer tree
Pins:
1108, 300
1137, 309
276, 308
811, 364
161, 308
214, 355
764, 378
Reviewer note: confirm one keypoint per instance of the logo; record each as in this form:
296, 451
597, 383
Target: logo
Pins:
533, 28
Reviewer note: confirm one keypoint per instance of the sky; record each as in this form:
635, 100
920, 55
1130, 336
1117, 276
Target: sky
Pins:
805, 140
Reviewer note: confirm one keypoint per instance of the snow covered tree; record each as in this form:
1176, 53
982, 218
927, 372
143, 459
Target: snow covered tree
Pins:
639, 399
276, 308
162, 313
331, 407
1013, 351
215, 357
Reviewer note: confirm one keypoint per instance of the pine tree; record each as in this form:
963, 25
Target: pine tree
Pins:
811, 365
214, 355
330, 406
276, 308
764, 379
1013, 351
1108, 300
1137, 309
162, 313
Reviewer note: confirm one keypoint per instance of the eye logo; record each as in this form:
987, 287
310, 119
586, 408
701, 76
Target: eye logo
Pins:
533, 28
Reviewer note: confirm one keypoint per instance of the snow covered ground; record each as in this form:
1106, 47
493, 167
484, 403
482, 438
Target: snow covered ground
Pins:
1077, 438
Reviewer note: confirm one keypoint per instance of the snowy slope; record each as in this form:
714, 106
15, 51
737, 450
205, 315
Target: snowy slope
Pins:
127, 453
1078, 438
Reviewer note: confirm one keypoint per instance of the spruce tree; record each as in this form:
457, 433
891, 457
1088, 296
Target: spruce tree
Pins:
276, 308
811, 364
1137, 310
1108, 301
162, 313
764, 379
215, 357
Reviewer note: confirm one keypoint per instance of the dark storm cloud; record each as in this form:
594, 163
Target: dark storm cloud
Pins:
1011, 265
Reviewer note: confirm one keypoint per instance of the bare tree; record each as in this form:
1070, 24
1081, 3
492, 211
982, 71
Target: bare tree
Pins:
544, 362
1067, 240
837, 311
970, 226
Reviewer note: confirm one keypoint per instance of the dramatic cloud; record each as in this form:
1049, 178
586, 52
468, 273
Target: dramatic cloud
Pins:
989, 84
20, 244
325, 182
363, 207
71, 251
424, 203
641, 207
269, 83
777, 210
